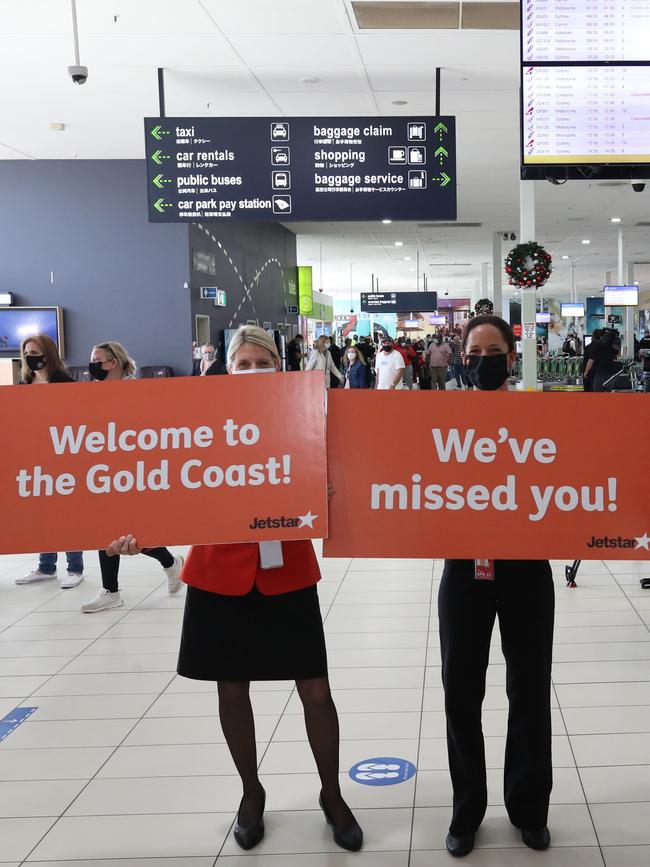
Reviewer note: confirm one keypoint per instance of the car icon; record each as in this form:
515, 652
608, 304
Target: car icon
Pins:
279, 130
280, 156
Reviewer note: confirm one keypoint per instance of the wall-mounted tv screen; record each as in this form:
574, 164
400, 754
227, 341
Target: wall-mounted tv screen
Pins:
621, 296
543, 318
16, 323
572, 308
437, 320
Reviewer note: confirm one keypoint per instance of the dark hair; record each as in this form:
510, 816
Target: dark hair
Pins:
596, 333
298, 336
489, 319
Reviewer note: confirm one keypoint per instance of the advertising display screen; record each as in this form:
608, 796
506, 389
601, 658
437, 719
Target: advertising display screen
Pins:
572, 309
398, 302
542, 318
16, 323
585, 100
300, 168
621, 296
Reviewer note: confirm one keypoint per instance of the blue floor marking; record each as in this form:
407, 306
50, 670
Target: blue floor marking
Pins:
13, 719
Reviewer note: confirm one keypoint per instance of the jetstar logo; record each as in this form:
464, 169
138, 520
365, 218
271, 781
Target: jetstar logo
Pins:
620, 542
273, 523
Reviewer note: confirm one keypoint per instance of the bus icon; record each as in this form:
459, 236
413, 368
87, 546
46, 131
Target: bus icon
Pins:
281, 180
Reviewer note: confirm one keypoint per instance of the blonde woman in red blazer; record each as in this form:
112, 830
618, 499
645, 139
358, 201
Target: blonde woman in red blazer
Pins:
243, 623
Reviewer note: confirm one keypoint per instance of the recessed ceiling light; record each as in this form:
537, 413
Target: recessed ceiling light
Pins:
586, 241
615, 220
310, 79
407, 258
386, 222
399, 243
565, 257
400, 102
57, 127
411, 269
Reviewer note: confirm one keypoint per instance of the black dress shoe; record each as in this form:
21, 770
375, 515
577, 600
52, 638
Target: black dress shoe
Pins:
459, 846
347, 838
539, 840
249, 837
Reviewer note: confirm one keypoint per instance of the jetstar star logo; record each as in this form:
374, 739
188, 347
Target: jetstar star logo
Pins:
273, 523
634, 542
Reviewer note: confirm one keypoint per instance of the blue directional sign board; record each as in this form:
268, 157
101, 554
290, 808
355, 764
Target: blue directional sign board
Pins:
13, 719
265, 169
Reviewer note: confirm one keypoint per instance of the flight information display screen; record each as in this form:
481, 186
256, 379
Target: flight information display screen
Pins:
575, 30
585, 85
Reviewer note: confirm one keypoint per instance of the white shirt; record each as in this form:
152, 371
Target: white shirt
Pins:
388, 365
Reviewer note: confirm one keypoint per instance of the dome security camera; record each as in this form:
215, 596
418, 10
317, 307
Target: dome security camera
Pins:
638, 186
79, 74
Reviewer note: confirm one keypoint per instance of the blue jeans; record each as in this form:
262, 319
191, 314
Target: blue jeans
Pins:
459, 373
47, 562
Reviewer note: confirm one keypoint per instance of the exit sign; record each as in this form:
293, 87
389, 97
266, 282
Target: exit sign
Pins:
222, 299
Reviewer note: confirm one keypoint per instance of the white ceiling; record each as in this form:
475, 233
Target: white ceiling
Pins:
246, 58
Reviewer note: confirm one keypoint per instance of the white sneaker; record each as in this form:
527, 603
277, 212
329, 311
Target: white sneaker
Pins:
174, 583
72, 579
103, 601
33, 577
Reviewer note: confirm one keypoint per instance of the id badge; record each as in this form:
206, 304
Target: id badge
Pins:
484, 570
271, 555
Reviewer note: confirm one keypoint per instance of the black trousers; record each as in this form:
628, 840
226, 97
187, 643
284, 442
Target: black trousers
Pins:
110, 566
522, 596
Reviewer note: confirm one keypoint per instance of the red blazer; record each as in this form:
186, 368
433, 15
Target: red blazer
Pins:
233, 570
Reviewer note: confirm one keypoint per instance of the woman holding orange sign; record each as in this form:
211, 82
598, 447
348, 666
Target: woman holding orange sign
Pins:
252, 613
472, 594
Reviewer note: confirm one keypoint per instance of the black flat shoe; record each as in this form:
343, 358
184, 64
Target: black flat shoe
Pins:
249, 837
459, 846
347, 838
539, 840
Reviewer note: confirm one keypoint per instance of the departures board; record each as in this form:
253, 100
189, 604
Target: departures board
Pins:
585, 83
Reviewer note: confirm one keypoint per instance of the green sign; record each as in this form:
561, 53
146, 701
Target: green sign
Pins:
305, 291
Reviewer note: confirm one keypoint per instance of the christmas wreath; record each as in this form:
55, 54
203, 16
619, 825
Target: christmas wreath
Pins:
528, 265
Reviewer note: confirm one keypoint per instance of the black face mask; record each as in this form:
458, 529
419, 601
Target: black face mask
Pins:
487, 372
387, 347
97, 371
35, 362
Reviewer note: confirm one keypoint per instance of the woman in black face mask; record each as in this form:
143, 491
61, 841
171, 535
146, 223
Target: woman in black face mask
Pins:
111, 361
41, 364
472, 594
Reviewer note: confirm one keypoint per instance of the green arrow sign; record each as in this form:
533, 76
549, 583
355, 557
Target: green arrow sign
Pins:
158, 157
160, 205
445, 179
441, 128
442, 151
158, 181
158, 132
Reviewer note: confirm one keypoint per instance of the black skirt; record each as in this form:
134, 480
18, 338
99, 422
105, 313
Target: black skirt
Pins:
252, 637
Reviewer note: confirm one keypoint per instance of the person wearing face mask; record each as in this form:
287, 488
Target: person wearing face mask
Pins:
110, 362
354, 368
407, 382
389, 366
40, 364
473, 593
437, 357
207, 358
252, 614
320, 359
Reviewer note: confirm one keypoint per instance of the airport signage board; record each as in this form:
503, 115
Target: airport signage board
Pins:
264, 169
399, 302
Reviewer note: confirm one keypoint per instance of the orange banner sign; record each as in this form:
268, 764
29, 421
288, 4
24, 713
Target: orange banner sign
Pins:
489, 475
176, 461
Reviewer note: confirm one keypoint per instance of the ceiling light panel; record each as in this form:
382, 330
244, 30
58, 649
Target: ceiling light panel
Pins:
490, 16
405, 15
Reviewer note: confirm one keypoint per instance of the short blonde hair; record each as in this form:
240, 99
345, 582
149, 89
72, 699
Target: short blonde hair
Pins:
255, 335
119, 354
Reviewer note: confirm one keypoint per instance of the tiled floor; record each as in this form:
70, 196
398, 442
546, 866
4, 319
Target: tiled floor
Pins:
124, 763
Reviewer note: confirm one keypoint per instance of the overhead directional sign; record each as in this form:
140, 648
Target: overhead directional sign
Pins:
299, 168
399, 302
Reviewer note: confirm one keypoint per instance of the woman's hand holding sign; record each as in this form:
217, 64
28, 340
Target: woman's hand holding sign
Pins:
124, 546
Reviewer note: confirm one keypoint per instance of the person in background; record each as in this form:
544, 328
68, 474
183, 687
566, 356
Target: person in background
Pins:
603, 362
207, 358
367, 349
320, 359
253, 615
110, 362
458, 368
521, 594
295, 354
408, 363
588, 377
644, 346
438, 355
389, 365
354, 368
196, 359
41, 364
337, 358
